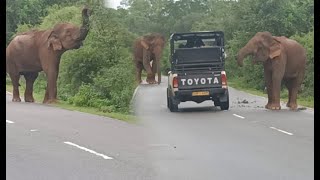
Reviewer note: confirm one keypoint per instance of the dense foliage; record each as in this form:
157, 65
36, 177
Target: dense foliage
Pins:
101, 73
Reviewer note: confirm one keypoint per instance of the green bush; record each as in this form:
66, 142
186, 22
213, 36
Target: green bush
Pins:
165, 62
104, 64
117, 83
84, 96
40, 84
58, 14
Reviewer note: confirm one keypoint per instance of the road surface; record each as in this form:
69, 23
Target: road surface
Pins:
246, 142
44, 142
198, 142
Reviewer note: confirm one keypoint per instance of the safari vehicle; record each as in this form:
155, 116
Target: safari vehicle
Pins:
197, 70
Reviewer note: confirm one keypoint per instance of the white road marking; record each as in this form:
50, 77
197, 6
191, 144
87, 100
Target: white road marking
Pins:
238, 116
33, 130
88, 150
282, 131
8, 92
134, 94
10, 122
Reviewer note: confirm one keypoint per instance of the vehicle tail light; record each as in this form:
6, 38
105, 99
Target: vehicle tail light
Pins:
175, 82
224, 79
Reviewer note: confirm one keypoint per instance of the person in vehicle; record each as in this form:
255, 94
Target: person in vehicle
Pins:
198, 43
192, 43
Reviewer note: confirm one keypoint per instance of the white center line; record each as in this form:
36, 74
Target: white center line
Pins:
238, 116
88, 150
254, 121
11, 122
282, 131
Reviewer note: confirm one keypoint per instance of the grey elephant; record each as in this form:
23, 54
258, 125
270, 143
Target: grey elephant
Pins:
34, 51
283, 59
148, 48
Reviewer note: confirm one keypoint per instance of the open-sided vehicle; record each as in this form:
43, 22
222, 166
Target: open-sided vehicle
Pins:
197, 70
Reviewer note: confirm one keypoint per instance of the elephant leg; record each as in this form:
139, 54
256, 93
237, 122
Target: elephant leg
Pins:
276, 87
158, 66
154, 69
296, 83
288, 84
292, 104
268, 83
51, 90
15, 83
139, 67
147, 66
30, 78
151, 79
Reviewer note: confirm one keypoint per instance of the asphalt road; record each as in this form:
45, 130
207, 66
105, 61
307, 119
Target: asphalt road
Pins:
198, 142
44, 142
247, 142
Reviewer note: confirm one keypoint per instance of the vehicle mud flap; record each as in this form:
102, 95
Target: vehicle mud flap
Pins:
173, 97
225, 97
175, 101
172, 102
224, 101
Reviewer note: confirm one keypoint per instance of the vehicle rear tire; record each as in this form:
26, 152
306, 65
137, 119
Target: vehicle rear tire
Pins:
168, 98
225, 105
173, 107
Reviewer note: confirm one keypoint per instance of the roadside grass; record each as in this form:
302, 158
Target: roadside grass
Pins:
237, 84
38, 96
302, 101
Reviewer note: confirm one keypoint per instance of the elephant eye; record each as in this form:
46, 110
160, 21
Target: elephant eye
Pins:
68, 33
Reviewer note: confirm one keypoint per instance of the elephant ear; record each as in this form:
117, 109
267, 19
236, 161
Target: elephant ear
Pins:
55, 42
275, 48
144, 44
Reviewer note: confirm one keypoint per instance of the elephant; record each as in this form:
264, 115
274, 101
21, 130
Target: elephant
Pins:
284, 60
40, 50
147, 49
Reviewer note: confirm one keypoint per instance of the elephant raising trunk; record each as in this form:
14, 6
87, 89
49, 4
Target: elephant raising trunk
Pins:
34, 51
283, 59
84, 29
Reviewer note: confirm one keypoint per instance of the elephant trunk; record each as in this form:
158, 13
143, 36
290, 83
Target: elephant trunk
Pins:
245, 51
84, 29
